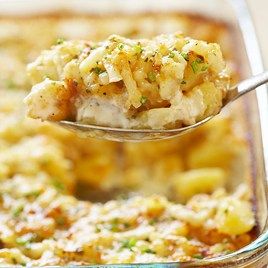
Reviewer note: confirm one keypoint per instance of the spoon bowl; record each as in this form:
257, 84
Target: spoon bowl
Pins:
137, 135
125, 134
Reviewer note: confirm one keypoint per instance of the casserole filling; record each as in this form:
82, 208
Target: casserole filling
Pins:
187, 198
41, 226
154, 83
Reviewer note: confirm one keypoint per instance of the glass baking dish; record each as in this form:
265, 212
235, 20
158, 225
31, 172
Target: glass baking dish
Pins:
255, 105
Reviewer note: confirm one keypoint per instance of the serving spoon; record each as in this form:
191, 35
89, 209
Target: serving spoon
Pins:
122, 134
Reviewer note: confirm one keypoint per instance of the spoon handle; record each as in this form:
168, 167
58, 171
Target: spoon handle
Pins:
247, 85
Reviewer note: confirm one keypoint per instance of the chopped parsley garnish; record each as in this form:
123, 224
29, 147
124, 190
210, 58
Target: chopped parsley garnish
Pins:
171, 54
60, 41
97, 70
10, 84
58, 185
120, 46
185, 56
138, 49
204, 68
129, 244
148, 250
143, 99
226, 211
198, 256
183, 82
21, 241
152, 221
17, 211
47, 76
33, 193
151, 76
198, 65
114, 226
126, 225
97, 229
25, 239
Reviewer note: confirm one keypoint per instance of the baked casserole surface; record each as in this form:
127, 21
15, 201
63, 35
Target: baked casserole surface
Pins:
160, 201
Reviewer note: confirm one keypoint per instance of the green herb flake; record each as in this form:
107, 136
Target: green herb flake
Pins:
93, 47
33, 194
21, 241
10, 84
171, 54
120, 46
143, 100
129, 244
199, 65
198, 256
148, 250
152, 221
151, 76
97, 70
46, 76
114, 225
185, 56
204, 68
195, 66
97, 229
60, 41
138, 49
17, 211
24, 240
183, 82
58, 185
126, 225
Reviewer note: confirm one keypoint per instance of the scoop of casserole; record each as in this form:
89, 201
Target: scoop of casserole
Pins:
167, 81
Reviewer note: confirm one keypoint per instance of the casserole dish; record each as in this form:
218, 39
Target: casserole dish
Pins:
235, 14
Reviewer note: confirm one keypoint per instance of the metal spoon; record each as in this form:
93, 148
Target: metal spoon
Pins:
121, 134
